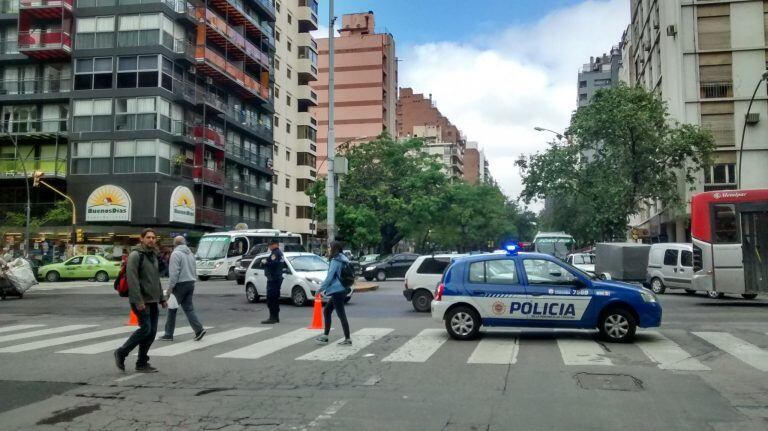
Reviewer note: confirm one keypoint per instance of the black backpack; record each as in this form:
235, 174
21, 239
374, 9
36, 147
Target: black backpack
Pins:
347, 275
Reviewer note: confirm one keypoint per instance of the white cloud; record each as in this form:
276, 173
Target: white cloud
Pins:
322, 31
497, 88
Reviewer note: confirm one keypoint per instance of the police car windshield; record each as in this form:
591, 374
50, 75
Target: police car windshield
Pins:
308, 263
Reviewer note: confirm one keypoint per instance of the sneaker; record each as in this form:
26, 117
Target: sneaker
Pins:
269, 322
323, 339
199, 336
345, 342
145, 369
166, 338
119, 360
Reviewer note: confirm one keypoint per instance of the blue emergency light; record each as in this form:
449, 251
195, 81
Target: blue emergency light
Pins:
512, 248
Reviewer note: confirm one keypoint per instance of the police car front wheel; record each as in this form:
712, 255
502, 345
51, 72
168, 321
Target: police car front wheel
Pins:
618, 325
462, 323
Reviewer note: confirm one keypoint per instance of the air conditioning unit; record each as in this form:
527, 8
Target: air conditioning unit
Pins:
752, 118
671, 30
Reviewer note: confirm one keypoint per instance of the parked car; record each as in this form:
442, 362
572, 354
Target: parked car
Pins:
245, 262
394, 266
91, 266
670, 266
303, 274
423, 277
583, 261
367, 260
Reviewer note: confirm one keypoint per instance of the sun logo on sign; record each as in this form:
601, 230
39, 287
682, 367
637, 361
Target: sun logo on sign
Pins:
108, 196
183, 201
498, 308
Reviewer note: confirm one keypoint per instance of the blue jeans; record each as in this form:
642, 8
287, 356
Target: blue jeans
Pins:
144, 336
183, 293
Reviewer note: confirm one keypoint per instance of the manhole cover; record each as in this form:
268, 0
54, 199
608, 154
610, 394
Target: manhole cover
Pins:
609, 382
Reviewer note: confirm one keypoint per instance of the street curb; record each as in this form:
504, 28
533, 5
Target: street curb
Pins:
366, 287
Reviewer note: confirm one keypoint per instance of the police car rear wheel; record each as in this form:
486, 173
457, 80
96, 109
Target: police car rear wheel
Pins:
462, 323
657, 286
618, 325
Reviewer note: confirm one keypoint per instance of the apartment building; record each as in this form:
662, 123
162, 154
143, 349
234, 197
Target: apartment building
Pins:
365, 87
476, 166
295, 126
600, 72
153, 113
705, 59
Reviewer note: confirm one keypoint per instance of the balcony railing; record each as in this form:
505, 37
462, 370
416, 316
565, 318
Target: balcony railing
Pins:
36, 86
201, 133
248, 156
202, 174
224, 67
247, 189
36, 40
36, 126
51, 166
713, 90
24, 4
209, 216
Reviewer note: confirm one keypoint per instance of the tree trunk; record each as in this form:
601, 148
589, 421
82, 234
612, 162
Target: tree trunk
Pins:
390, 236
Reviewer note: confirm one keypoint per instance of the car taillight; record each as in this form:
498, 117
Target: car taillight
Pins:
439, 293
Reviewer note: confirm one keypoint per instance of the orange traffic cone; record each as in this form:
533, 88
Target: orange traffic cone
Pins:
317, 313
132, 319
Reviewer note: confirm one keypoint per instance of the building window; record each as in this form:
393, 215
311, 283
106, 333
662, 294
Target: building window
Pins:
306, 132
306, 159
91, 157
716, 75
274, 208
147, 30
717, 117
289, 46
143, 113
582, 84
277, 7
277, 34
721, 176
287, 210
302, 184
288, 72
96, 32
277, 92
93, 73
288, 127
274, 179
714, 26
277, 121
288, 100
290, 19
287, 155
142, 156
602, 82
277, 63
304, 212
141, 71
287, 183
92, 115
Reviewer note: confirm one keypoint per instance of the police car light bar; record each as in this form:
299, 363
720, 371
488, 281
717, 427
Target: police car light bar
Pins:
512, 248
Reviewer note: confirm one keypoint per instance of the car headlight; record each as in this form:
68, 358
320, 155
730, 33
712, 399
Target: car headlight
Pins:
370, 268
648, 296
315, 280
218, 264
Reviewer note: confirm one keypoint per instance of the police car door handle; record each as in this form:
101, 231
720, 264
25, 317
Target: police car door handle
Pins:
536, 294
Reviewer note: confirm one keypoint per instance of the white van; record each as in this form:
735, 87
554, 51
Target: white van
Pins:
670, 266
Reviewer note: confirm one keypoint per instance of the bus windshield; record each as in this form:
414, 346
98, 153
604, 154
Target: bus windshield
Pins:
213, 247
555, 246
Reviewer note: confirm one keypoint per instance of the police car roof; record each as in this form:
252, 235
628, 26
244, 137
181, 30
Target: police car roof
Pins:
495, 256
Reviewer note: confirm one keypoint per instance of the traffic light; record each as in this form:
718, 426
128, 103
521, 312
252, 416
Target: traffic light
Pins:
36, 178
80, 237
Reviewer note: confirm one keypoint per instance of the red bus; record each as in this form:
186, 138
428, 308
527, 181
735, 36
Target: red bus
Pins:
730, 242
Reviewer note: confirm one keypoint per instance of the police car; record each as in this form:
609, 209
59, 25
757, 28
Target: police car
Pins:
538, 290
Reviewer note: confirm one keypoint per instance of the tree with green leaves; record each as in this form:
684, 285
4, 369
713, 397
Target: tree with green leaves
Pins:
624, 150
59, 213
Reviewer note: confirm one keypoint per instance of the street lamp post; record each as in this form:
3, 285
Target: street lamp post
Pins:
15, 143
542, 129
330, 184
763, 77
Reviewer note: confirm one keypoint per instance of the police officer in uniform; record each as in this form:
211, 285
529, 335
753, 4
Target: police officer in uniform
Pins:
273, 270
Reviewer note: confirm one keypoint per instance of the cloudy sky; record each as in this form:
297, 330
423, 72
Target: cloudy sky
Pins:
499, 70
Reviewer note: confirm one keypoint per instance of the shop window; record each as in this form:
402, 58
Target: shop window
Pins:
93, 73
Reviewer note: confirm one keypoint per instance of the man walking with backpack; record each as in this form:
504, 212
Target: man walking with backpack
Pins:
182, 273
336, 286
144, 294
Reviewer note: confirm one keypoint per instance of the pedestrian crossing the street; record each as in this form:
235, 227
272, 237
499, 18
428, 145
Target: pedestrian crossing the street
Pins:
652, 348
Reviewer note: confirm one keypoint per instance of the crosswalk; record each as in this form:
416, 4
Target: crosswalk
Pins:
652, 348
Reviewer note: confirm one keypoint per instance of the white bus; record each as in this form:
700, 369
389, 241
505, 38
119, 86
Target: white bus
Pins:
557, 244
219, 253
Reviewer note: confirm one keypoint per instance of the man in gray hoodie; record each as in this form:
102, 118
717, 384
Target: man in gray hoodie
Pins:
182, 273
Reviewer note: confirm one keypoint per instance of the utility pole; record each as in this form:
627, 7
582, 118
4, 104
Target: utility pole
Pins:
330, 183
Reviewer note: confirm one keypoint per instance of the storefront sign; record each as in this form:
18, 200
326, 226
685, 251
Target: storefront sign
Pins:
108, 203
182, 205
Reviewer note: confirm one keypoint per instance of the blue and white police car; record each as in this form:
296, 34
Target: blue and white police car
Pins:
538, 290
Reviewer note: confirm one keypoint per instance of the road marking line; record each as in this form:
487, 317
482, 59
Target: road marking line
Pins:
209, 340
110, 345
495, 351
334, 352
41, 332
122, 379
668, 354
582, 352
327, 414
420, 347
742, 350
272, 345
18, 327
41, 344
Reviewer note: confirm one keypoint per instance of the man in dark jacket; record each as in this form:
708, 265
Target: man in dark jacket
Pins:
144, 294
273, 270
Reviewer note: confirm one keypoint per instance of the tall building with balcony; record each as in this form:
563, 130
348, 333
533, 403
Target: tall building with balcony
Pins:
449, 154
600, 72
365, 84
153, 113
295, 131
704, 59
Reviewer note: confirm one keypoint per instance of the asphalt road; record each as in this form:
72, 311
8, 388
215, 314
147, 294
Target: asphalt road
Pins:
705, 368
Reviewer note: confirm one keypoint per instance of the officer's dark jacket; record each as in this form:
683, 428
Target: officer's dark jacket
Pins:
273, 268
